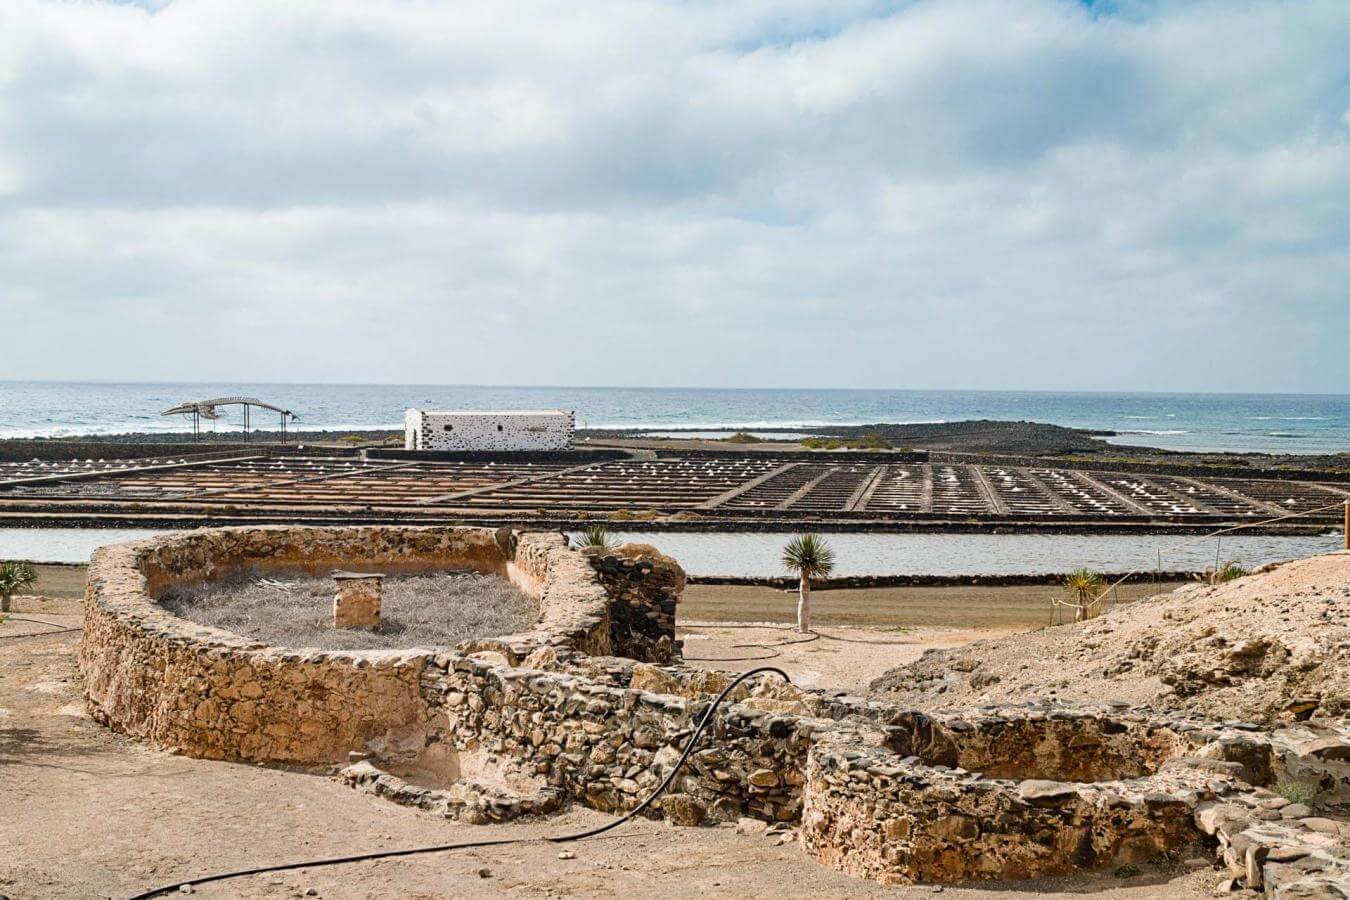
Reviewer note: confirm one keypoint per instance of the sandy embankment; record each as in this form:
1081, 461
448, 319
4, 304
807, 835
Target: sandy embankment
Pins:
1265, 648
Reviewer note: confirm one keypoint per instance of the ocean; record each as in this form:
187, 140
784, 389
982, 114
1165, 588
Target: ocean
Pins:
1274, 423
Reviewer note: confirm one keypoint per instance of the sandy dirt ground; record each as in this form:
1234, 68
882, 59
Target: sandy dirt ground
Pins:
59, 581
1014, 608
1245, 650
846, 658
89, 814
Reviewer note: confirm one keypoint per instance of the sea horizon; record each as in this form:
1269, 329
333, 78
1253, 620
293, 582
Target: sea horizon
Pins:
1191, 421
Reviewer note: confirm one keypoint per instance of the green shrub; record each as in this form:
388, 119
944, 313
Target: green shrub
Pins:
1295, 791
866, 442
1083, 587
594, 537
15, 576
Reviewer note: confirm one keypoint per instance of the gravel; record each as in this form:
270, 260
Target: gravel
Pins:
294, 610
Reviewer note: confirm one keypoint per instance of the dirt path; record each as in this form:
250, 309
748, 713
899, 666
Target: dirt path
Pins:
847, 658
91, 814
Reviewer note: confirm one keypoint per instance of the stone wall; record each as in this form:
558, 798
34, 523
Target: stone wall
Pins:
583, 708
25, 449
214, 694
872, 813
608, 746
643, 585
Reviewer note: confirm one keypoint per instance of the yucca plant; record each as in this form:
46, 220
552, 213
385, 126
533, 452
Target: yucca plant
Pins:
16, 575
809, 557
595, 537
1083, 586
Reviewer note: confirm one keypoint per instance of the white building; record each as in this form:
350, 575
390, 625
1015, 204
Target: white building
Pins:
496, 431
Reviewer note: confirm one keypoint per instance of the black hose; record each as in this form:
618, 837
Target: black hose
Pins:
494, 842
773, 653
56, 627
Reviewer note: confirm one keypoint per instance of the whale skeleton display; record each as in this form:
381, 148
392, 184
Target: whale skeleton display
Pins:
209, 409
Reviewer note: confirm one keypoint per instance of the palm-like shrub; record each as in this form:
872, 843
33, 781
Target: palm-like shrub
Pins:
809, 557
1083, 586
595, 537
16, 575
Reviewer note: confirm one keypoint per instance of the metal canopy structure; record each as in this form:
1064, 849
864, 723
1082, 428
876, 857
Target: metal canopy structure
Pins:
208, 409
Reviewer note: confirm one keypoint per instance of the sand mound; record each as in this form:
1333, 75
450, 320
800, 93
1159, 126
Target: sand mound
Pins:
1269, 647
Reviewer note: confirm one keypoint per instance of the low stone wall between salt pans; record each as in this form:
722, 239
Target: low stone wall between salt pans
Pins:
591, 706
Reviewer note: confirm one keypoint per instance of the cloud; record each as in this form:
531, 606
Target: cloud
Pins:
944, 193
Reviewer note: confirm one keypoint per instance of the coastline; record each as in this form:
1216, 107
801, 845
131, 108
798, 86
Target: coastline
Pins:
1007, 438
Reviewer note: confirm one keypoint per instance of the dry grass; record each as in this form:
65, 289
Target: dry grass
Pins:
291, 610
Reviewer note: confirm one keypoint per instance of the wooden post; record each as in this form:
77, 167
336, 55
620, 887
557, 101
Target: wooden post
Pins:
1346, 528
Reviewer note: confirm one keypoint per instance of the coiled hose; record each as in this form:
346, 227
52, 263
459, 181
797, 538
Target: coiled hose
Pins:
494, 842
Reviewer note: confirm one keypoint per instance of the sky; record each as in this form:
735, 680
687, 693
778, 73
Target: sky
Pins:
1022, 194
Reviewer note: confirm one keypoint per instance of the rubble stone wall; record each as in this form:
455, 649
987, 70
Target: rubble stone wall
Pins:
609, 745
590, 705
872, 813
213, 694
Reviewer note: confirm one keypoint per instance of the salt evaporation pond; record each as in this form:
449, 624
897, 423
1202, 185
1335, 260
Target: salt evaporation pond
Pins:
759, 555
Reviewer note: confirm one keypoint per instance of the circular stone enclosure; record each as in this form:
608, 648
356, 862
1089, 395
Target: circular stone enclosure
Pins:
215, 694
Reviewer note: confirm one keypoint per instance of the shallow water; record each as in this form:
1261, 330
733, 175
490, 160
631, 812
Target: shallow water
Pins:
63, 545
857, 554
980, 554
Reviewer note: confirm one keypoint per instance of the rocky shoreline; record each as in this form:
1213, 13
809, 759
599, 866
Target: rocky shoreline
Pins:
1031, 439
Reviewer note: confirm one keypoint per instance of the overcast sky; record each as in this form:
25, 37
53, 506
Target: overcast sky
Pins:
837, 193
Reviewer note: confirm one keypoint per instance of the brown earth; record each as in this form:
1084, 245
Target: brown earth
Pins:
59, 581
89, 813
1264, 648
861, 632
1007, 608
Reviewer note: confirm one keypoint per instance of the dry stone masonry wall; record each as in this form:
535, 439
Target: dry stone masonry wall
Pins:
591, 705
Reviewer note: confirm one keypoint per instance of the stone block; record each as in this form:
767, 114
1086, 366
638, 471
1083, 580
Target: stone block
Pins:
356, 603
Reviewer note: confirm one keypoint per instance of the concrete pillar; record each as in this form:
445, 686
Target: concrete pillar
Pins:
356, 604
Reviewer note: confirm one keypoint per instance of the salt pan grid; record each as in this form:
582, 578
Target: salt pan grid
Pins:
729, 487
